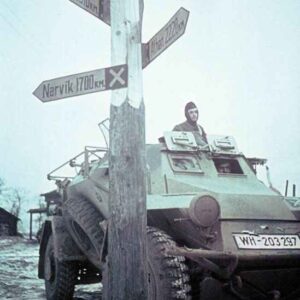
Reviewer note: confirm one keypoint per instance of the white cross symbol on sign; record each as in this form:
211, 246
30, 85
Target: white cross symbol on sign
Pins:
117, 77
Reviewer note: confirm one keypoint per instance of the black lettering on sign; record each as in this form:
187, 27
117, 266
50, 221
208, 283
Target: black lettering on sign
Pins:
79, 84
88, 82
46, 88
276, 241
61, 89
252, 241
172, 30
157, 44
84, 83
57, 90
52, 91
266, 242
69, 87
285, 241
88, 4
99, 84
271, 241
244, 240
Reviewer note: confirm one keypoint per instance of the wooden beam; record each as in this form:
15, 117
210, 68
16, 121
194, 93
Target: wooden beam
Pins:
127, 263
30, 232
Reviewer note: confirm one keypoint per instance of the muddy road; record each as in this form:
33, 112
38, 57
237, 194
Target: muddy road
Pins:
18, 273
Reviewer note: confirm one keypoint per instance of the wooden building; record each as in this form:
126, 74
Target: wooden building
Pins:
52, 199
8, 223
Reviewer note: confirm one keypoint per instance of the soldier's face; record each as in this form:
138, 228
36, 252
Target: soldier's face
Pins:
224, 168
193, 113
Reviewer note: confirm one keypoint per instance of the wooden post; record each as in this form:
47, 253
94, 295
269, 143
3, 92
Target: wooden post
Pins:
294, 190
30, 228
286, 188
127, 259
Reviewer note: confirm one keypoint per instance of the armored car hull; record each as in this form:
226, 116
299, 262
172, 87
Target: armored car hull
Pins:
214, 230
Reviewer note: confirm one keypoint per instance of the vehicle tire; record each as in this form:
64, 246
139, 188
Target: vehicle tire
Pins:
60, 277
167, 274
82, 220
168, 277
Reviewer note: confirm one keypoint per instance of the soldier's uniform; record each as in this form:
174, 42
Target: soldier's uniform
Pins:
197, 131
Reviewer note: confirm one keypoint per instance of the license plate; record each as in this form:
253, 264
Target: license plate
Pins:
266, 241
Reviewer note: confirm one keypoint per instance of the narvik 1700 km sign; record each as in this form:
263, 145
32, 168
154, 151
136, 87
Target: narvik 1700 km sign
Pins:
83, 83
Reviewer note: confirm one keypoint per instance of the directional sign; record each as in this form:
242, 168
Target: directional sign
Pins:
83, 83
174, 29
98, 8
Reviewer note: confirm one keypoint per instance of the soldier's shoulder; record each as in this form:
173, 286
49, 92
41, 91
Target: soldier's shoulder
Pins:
180, 127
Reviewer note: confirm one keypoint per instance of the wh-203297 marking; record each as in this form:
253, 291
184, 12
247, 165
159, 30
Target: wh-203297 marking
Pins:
267, 241
276, 241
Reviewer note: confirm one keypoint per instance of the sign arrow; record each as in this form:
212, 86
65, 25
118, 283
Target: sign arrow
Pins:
115, 77
98, 8
174, 29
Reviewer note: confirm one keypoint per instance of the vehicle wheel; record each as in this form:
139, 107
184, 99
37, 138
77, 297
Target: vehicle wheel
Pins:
82, 221
167, 274
168, 277
60, 277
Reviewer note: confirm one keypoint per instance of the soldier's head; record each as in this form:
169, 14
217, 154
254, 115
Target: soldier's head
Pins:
191, 112
224, 167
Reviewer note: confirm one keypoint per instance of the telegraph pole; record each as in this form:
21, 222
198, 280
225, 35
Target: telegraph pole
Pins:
126, 269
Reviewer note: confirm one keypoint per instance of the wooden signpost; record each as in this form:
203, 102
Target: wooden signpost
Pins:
125, 275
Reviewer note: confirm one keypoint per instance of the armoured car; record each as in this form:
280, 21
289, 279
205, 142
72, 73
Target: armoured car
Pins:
215, 231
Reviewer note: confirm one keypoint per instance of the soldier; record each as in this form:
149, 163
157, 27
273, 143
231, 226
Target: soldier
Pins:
192, 114
224, 167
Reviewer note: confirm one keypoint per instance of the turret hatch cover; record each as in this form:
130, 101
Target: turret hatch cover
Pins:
180, 141
223, 144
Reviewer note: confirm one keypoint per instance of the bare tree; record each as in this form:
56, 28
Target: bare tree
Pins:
1, 185
40, 218
15, 199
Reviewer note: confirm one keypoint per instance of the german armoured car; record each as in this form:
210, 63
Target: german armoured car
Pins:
214, 230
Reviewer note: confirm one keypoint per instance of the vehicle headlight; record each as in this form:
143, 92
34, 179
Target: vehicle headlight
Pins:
204, 210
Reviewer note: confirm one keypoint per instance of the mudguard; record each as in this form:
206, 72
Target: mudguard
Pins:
65, 248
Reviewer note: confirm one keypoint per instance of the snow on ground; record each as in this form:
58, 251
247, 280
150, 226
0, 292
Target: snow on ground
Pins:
18, 273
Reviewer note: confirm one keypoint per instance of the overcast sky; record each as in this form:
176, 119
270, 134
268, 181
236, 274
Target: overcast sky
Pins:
238, 60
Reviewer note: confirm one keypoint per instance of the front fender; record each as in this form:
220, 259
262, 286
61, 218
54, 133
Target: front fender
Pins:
65, 248
46, 232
